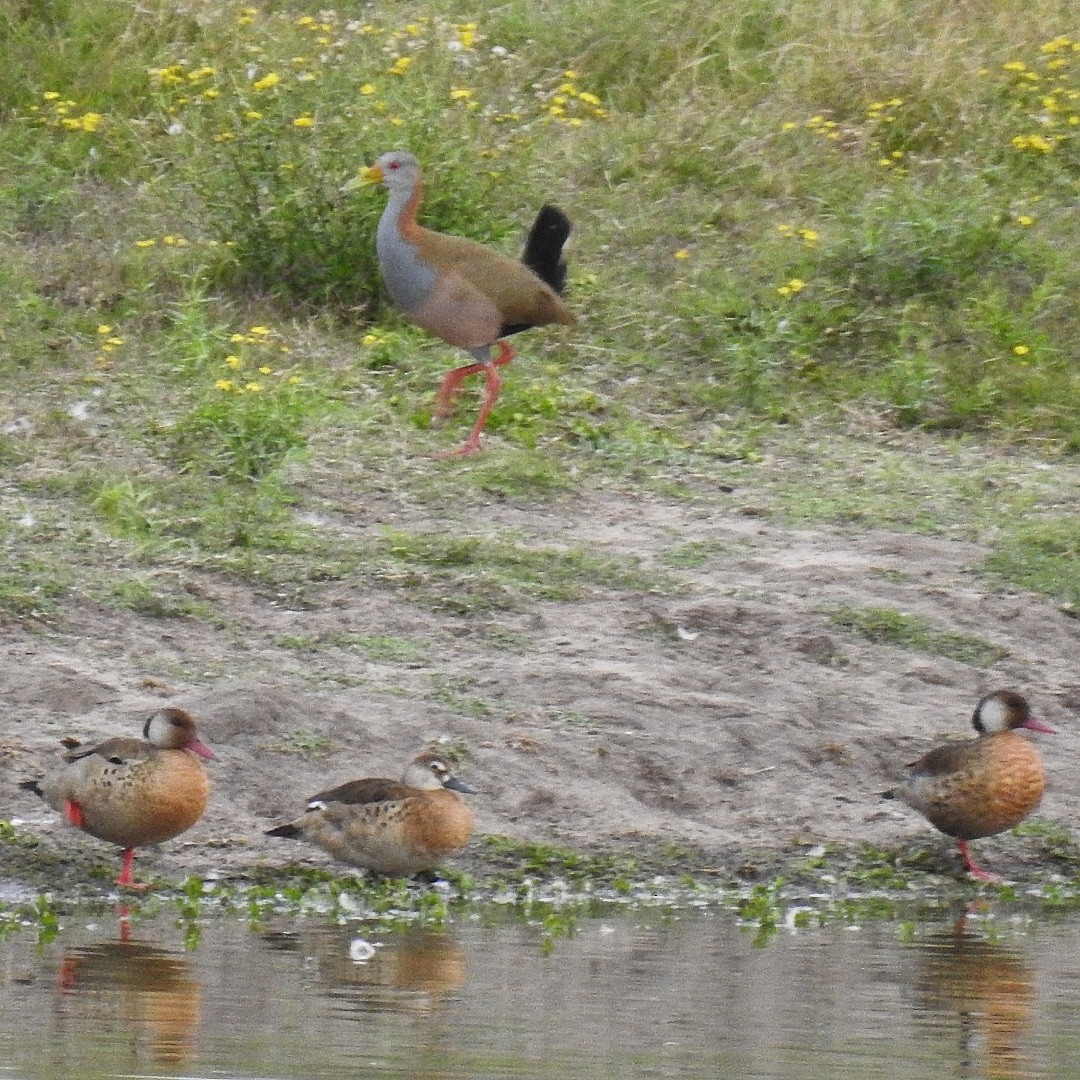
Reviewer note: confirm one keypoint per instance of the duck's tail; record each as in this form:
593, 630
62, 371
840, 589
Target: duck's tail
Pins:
289, 831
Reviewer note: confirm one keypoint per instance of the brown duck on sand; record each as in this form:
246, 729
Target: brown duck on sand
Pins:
984, 785
392, 827
133, 792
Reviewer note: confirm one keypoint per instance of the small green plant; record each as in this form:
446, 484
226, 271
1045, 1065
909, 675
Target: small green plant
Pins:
308, 744
762, 908
1043, 556
251, 417
126, 507
885, 626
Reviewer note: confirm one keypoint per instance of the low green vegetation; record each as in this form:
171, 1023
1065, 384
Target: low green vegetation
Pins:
786, 222
1043, 556
884, 626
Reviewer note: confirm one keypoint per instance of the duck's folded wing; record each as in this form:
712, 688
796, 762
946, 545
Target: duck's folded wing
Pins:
119, 751
357, 792
942, 760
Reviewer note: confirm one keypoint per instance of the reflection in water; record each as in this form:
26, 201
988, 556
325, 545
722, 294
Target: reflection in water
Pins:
992, 991
640, 994
413, 970
132, 992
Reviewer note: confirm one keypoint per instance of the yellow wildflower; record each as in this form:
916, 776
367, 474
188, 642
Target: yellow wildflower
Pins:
50, 95
234, 362
253, 387
259, 331
367, 89
225, 385
682, 253
1024, 219
1021, 350
461, 94
264, 370
304, 121
271, 79
104, 328
145, 243
1033, 142
400, 65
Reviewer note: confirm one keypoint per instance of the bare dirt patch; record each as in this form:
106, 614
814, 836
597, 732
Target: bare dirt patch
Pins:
729, 715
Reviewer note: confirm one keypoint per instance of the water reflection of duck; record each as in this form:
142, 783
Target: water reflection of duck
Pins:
136, 986
412, 970
133, 792
990, 988
984, 785
393, 827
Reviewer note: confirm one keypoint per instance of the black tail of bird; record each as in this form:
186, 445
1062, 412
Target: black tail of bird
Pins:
289, 831
544, 247
32, 785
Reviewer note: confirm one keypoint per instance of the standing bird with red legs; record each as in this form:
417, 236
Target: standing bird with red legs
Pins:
463, 292
133, 792
981, 786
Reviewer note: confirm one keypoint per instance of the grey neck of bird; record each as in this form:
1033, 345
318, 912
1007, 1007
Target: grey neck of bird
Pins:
408, 279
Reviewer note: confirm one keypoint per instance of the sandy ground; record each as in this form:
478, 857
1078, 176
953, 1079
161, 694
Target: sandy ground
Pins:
733, 718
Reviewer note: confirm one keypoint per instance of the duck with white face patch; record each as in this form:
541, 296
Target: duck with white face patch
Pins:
981, 786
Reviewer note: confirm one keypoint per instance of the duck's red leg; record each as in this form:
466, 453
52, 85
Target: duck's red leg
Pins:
126, 879
73, 812
973, 869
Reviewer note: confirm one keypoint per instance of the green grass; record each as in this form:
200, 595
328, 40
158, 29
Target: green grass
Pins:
1043, 556
822, 259
884, 626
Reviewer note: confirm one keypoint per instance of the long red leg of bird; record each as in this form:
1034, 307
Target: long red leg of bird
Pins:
973, 869
451, 384
494, 385
449, 387
73, 812
126, 879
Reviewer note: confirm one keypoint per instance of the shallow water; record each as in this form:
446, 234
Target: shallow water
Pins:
638, 994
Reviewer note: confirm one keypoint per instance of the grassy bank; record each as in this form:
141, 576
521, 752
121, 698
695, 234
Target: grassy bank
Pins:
823, 251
